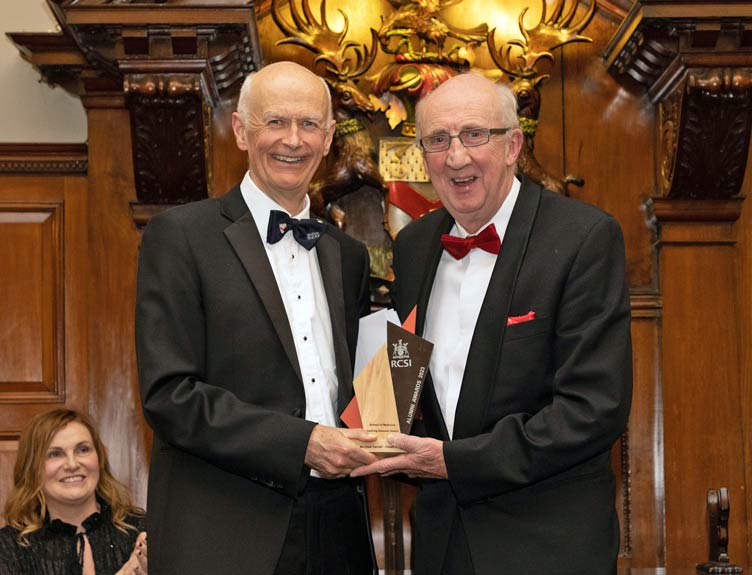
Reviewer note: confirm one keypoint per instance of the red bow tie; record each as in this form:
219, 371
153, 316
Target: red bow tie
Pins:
487, 240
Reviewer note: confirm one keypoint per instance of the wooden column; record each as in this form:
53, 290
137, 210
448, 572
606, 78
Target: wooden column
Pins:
703, 429
744, 314
694, 62
642, 510
113, 397
705, 119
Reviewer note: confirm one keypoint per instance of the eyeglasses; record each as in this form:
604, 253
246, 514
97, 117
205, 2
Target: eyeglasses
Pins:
441, 141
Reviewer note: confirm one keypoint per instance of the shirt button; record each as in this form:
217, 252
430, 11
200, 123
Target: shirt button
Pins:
313, 380
305, 338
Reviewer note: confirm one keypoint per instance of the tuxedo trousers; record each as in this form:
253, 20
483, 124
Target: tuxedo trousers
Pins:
457, 560
328, 532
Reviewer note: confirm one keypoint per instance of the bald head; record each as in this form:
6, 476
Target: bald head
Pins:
268, 79
471, 87
284, 122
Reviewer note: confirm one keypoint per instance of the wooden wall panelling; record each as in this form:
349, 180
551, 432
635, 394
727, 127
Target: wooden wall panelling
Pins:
642, 519
229, 164
43, 291
8, 449
32, 352
705, 120
609, 139
114, 398
692, 61
744, 314
701, 381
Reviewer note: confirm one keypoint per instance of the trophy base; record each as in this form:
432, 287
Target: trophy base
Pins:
382, 452
381, 447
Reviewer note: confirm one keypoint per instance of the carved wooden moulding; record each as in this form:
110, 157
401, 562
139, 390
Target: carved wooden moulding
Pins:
695, 63
43, 159
170, 63
175, 67
718, 509
705, 129
171, 135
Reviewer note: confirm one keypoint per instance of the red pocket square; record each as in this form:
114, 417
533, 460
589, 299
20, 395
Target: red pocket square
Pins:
515, 319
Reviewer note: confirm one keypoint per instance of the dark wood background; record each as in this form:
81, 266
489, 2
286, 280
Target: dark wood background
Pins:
68, 250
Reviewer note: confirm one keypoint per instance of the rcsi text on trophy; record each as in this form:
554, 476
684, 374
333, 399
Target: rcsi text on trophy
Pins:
391, 364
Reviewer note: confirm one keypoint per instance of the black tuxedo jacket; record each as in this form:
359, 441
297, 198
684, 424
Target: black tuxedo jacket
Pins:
221, 385
541, 401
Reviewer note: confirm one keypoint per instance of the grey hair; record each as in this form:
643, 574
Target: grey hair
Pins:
506, 99
245, 92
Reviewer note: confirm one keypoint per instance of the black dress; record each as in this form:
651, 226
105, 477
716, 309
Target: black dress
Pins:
53, 550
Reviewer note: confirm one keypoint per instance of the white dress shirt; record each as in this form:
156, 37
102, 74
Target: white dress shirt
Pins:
453, 308
302, 289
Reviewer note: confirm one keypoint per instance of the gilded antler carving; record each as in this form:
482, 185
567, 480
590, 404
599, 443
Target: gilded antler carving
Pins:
548, 35
538, 43
420, 21
321, 39
352, 161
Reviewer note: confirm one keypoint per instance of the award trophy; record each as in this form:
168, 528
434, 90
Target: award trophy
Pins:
391, 366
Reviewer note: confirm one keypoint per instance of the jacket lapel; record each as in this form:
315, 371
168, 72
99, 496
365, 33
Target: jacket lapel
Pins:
485, 349
435, 425
245, 240
432, 265
330, 264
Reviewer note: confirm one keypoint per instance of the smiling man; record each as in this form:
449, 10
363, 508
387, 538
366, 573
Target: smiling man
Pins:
523, 293
245, 339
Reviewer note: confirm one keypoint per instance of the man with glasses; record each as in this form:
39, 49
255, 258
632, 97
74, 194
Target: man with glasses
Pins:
523, 293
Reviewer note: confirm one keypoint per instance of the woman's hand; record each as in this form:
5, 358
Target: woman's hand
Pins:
137, 562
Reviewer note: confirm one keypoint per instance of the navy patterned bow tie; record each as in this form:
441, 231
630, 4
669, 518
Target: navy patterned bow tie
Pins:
487, 240
306, 232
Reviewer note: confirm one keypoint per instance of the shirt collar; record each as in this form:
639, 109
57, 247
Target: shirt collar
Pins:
260, 205
501, 217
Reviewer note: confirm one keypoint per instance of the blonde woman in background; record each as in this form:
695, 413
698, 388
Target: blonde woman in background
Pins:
67, 514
